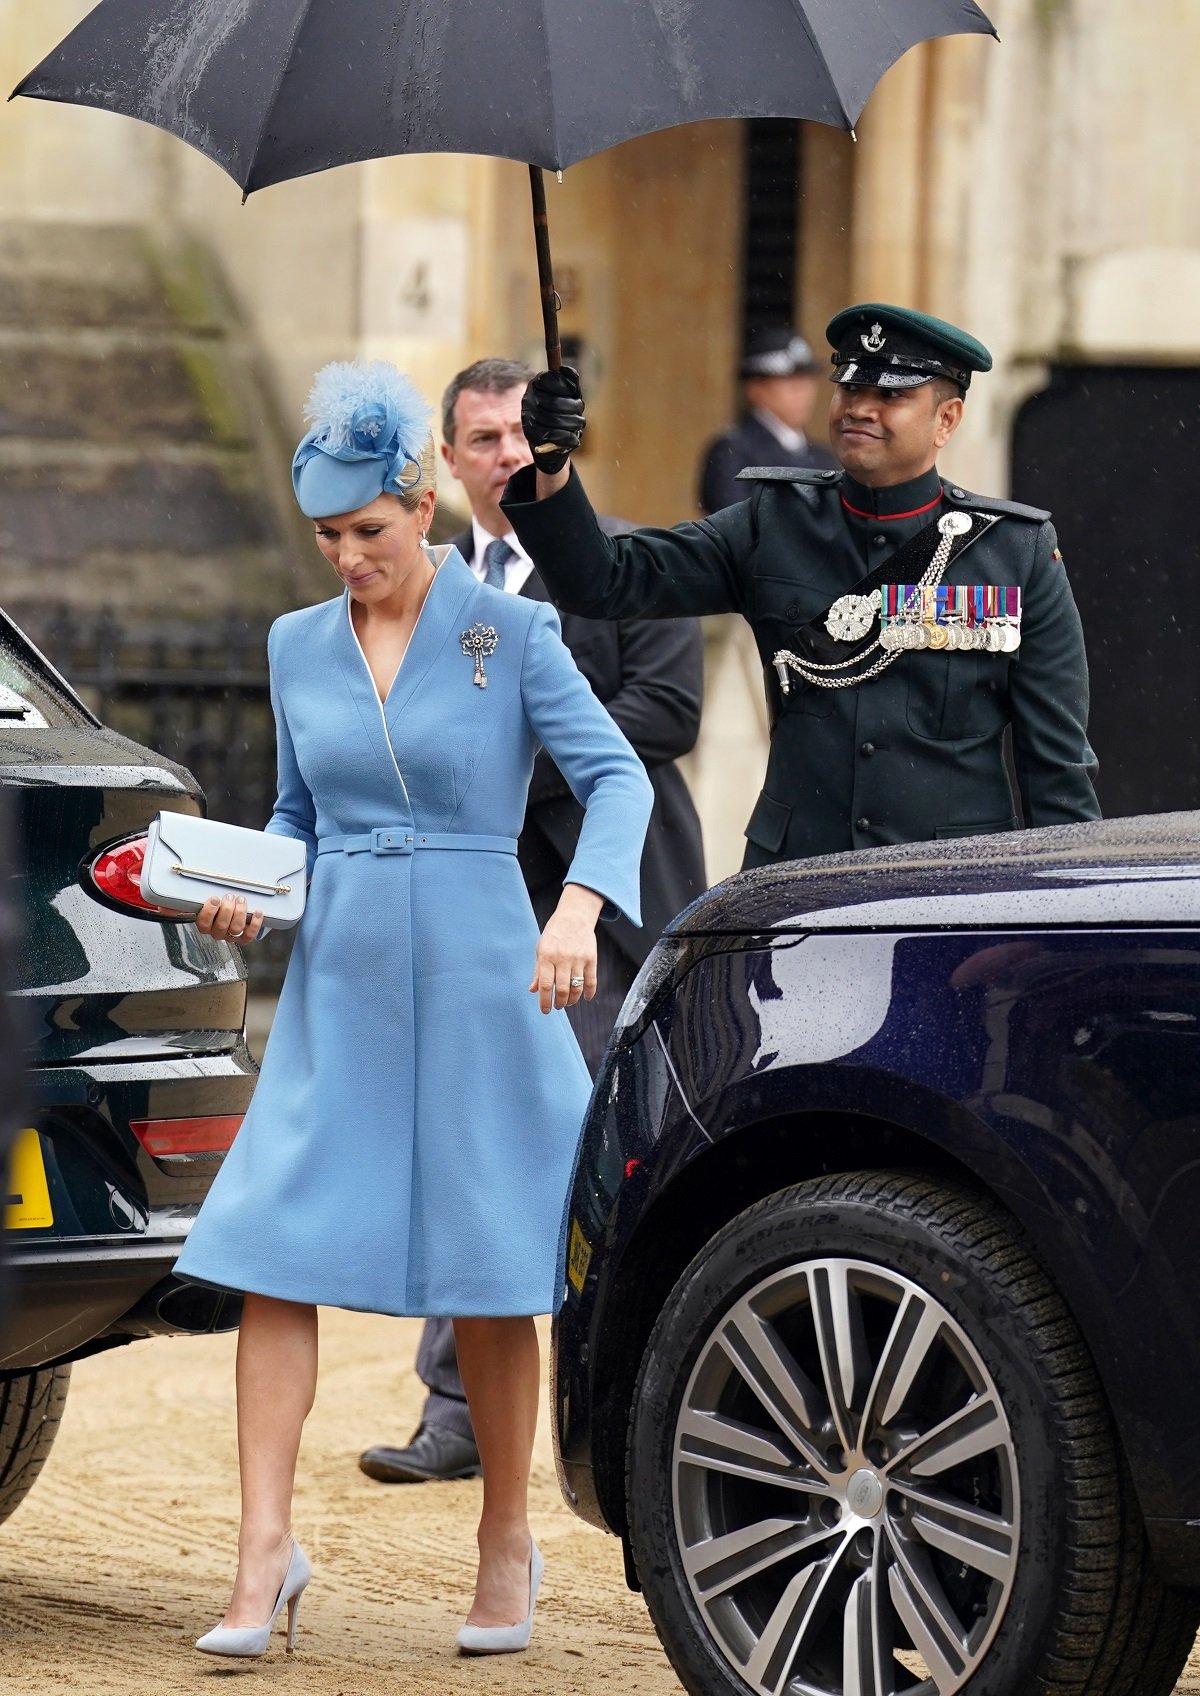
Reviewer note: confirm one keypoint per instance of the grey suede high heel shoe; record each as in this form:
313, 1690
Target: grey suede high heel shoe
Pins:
505, 1639
252, 1640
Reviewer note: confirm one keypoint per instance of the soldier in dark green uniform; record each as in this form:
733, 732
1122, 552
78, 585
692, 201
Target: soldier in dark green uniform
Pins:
903, 623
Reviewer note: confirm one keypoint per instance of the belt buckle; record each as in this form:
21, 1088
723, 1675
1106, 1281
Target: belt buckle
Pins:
387, 839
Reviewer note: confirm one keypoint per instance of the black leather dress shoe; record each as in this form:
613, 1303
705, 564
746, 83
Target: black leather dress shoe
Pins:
433, 1453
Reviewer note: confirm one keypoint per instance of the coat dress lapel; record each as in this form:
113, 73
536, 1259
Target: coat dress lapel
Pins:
356, 675
451, 588
453, 585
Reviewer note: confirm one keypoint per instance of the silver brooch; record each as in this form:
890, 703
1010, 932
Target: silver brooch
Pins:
876, 341
478, 643
851, 617
954, 523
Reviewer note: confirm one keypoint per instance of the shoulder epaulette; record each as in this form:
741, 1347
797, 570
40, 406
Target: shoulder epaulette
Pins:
988, 503
789, 474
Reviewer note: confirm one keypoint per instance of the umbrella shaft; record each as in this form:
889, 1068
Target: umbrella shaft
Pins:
541, 236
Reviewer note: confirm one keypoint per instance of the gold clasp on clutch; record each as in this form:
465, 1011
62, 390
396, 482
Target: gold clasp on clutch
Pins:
241, 882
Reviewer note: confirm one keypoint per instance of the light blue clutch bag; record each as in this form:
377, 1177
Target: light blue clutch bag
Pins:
189, 860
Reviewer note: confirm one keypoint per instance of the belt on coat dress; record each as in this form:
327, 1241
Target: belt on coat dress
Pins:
401, 839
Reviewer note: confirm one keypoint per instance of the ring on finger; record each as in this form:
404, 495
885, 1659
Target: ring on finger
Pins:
576, 983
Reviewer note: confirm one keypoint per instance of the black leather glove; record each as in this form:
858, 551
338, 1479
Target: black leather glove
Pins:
552, 417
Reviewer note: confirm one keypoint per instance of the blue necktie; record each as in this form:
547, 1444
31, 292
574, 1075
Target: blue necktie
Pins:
495, 557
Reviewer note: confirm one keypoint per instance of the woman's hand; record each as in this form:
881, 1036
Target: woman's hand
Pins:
566, 951
224, 917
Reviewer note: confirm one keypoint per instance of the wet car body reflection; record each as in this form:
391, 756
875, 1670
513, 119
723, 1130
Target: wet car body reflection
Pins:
1019, 1017
137, 1071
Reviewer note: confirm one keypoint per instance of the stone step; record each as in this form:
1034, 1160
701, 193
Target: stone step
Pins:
101, 276
177, 390
56, 512
141, 465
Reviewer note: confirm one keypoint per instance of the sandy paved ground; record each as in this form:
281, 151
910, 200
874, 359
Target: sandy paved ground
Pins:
122, 1553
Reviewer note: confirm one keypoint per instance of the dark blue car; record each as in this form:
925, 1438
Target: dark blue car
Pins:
881, 1346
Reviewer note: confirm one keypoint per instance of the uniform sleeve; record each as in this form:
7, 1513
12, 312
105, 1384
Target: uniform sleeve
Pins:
1048, 692
295, 814
604, 773
677, 573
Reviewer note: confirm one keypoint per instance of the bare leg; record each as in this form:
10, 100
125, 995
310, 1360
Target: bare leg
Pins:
276, 1383
501, 1373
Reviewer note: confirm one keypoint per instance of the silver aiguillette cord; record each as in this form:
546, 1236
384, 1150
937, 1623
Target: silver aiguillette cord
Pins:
826, 676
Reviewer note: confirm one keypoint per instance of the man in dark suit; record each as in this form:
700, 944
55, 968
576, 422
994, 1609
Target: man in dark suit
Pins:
779, 390
648, 674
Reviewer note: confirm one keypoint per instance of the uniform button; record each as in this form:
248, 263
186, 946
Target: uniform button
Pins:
862, 824
867, 749
879, 540
829, 475
792, 610
959, 494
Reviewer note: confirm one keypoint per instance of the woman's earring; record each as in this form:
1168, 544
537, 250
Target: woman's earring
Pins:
424, 533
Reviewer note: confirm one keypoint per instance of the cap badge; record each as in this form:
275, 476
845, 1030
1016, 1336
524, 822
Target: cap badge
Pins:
876, 341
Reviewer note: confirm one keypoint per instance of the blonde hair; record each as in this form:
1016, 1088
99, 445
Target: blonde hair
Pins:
410, 497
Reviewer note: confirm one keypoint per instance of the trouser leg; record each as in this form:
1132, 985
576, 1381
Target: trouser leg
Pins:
437, 1368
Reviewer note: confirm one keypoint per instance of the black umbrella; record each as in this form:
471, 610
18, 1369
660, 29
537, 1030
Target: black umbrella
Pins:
272, 89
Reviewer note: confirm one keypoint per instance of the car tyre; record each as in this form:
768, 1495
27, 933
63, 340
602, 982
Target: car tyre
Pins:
31, 1408
869, 1455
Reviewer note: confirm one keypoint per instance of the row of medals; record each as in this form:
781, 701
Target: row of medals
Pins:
918, 626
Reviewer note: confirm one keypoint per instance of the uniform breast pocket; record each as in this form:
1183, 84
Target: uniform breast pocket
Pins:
782, 607
941, 688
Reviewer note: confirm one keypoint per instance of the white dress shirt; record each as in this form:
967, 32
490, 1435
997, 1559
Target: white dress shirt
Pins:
516, 569
795, 441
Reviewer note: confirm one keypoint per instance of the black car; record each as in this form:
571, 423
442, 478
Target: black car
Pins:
137, 1075
881, 1342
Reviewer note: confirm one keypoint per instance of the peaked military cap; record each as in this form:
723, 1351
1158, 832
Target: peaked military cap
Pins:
776, 353
890, 347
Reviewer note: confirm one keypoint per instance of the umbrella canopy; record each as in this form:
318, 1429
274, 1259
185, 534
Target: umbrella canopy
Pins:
273, 89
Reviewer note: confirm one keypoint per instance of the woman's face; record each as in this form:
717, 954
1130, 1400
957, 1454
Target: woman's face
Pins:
376, 549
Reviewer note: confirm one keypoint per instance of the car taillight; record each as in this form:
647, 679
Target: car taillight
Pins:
165, 1137
116, 872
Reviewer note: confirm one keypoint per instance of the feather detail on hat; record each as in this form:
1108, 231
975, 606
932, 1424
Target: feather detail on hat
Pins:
363, 407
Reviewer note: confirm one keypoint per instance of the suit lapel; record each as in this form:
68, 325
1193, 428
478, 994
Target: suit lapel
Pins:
534, 589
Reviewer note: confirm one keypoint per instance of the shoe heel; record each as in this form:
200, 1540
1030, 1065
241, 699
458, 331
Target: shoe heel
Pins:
293, 1609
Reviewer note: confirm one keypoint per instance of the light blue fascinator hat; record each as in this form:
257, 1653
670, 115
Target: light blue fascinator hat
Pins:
370, 436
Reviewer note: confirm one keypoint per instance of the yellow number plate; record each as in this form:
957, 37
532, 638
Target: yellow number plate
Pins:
28, 1194
579, 1257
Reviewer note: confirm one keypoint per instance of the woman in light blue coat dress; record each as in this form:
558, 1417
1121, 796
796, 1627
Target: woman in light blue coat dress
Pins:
410, 1142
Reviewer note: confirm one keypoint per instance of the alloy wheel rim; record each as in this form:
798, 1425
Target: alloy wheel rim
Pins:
845, 1487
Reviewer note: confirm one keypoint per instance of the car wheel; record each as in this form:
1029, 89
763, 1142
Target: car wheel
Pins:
869, 1456
31, 1407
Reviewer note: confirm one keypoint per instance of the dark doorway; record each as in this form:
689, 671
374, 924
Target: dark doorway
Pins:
1112, 451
